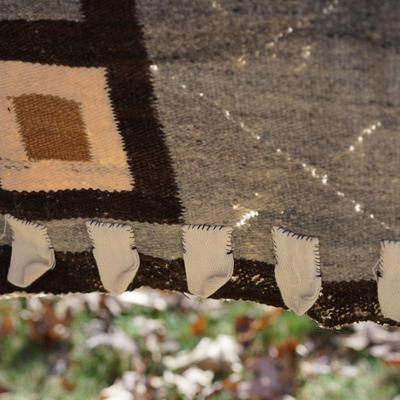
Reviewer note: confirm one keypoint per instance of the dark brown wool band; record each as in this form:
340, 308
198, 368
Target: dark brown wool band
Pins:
341, 303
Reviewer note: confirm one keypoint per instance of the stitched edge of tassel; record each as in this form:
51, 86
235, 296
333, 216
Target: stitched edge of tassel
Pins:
207, 227
299, 236
43, 228
111, 225
300, 304
212, 229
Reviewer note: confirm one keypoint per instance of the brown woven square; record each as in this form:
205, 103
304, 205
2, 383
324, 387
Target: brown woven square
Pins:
52, 128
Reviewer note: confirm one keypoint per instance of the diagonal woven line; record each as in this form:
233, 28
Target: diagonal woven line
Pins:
288, 158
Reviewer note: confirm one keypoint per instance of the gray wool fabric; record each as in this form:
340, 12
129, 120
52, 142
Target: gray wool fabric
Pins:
272, 95
271, 113
41, 10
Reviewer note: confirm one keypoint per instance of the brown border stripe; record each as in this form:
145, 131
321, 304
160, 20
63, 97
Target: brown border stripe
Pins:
110, 36
341, 303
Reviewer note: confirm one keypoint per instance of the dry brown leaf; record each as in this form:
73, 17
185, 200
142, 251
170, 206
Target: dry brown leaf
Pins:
230, 385
243, 323
68, 385
262, 323
247, 327
392, 361
4, 389
46, 326
287, 348
199, 325
7, 325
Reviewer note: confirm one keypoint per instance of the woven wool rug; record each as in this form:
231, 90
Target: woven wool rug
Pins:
233, 149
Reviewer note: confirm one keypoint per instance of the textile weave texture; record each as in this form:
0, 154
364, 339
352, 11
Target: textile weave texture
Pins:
245, 113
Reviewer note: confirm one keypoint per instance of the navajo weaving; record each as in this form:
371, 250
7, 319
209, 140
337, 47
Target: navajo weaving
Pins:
234, 149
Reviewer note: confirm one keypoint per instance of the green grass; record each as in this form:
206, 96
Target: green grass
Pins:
31, 370
373, 382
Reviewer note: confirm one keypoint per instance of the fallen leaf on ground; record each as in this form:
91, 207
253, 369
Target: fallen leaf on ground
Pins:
199, 325
219, 354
